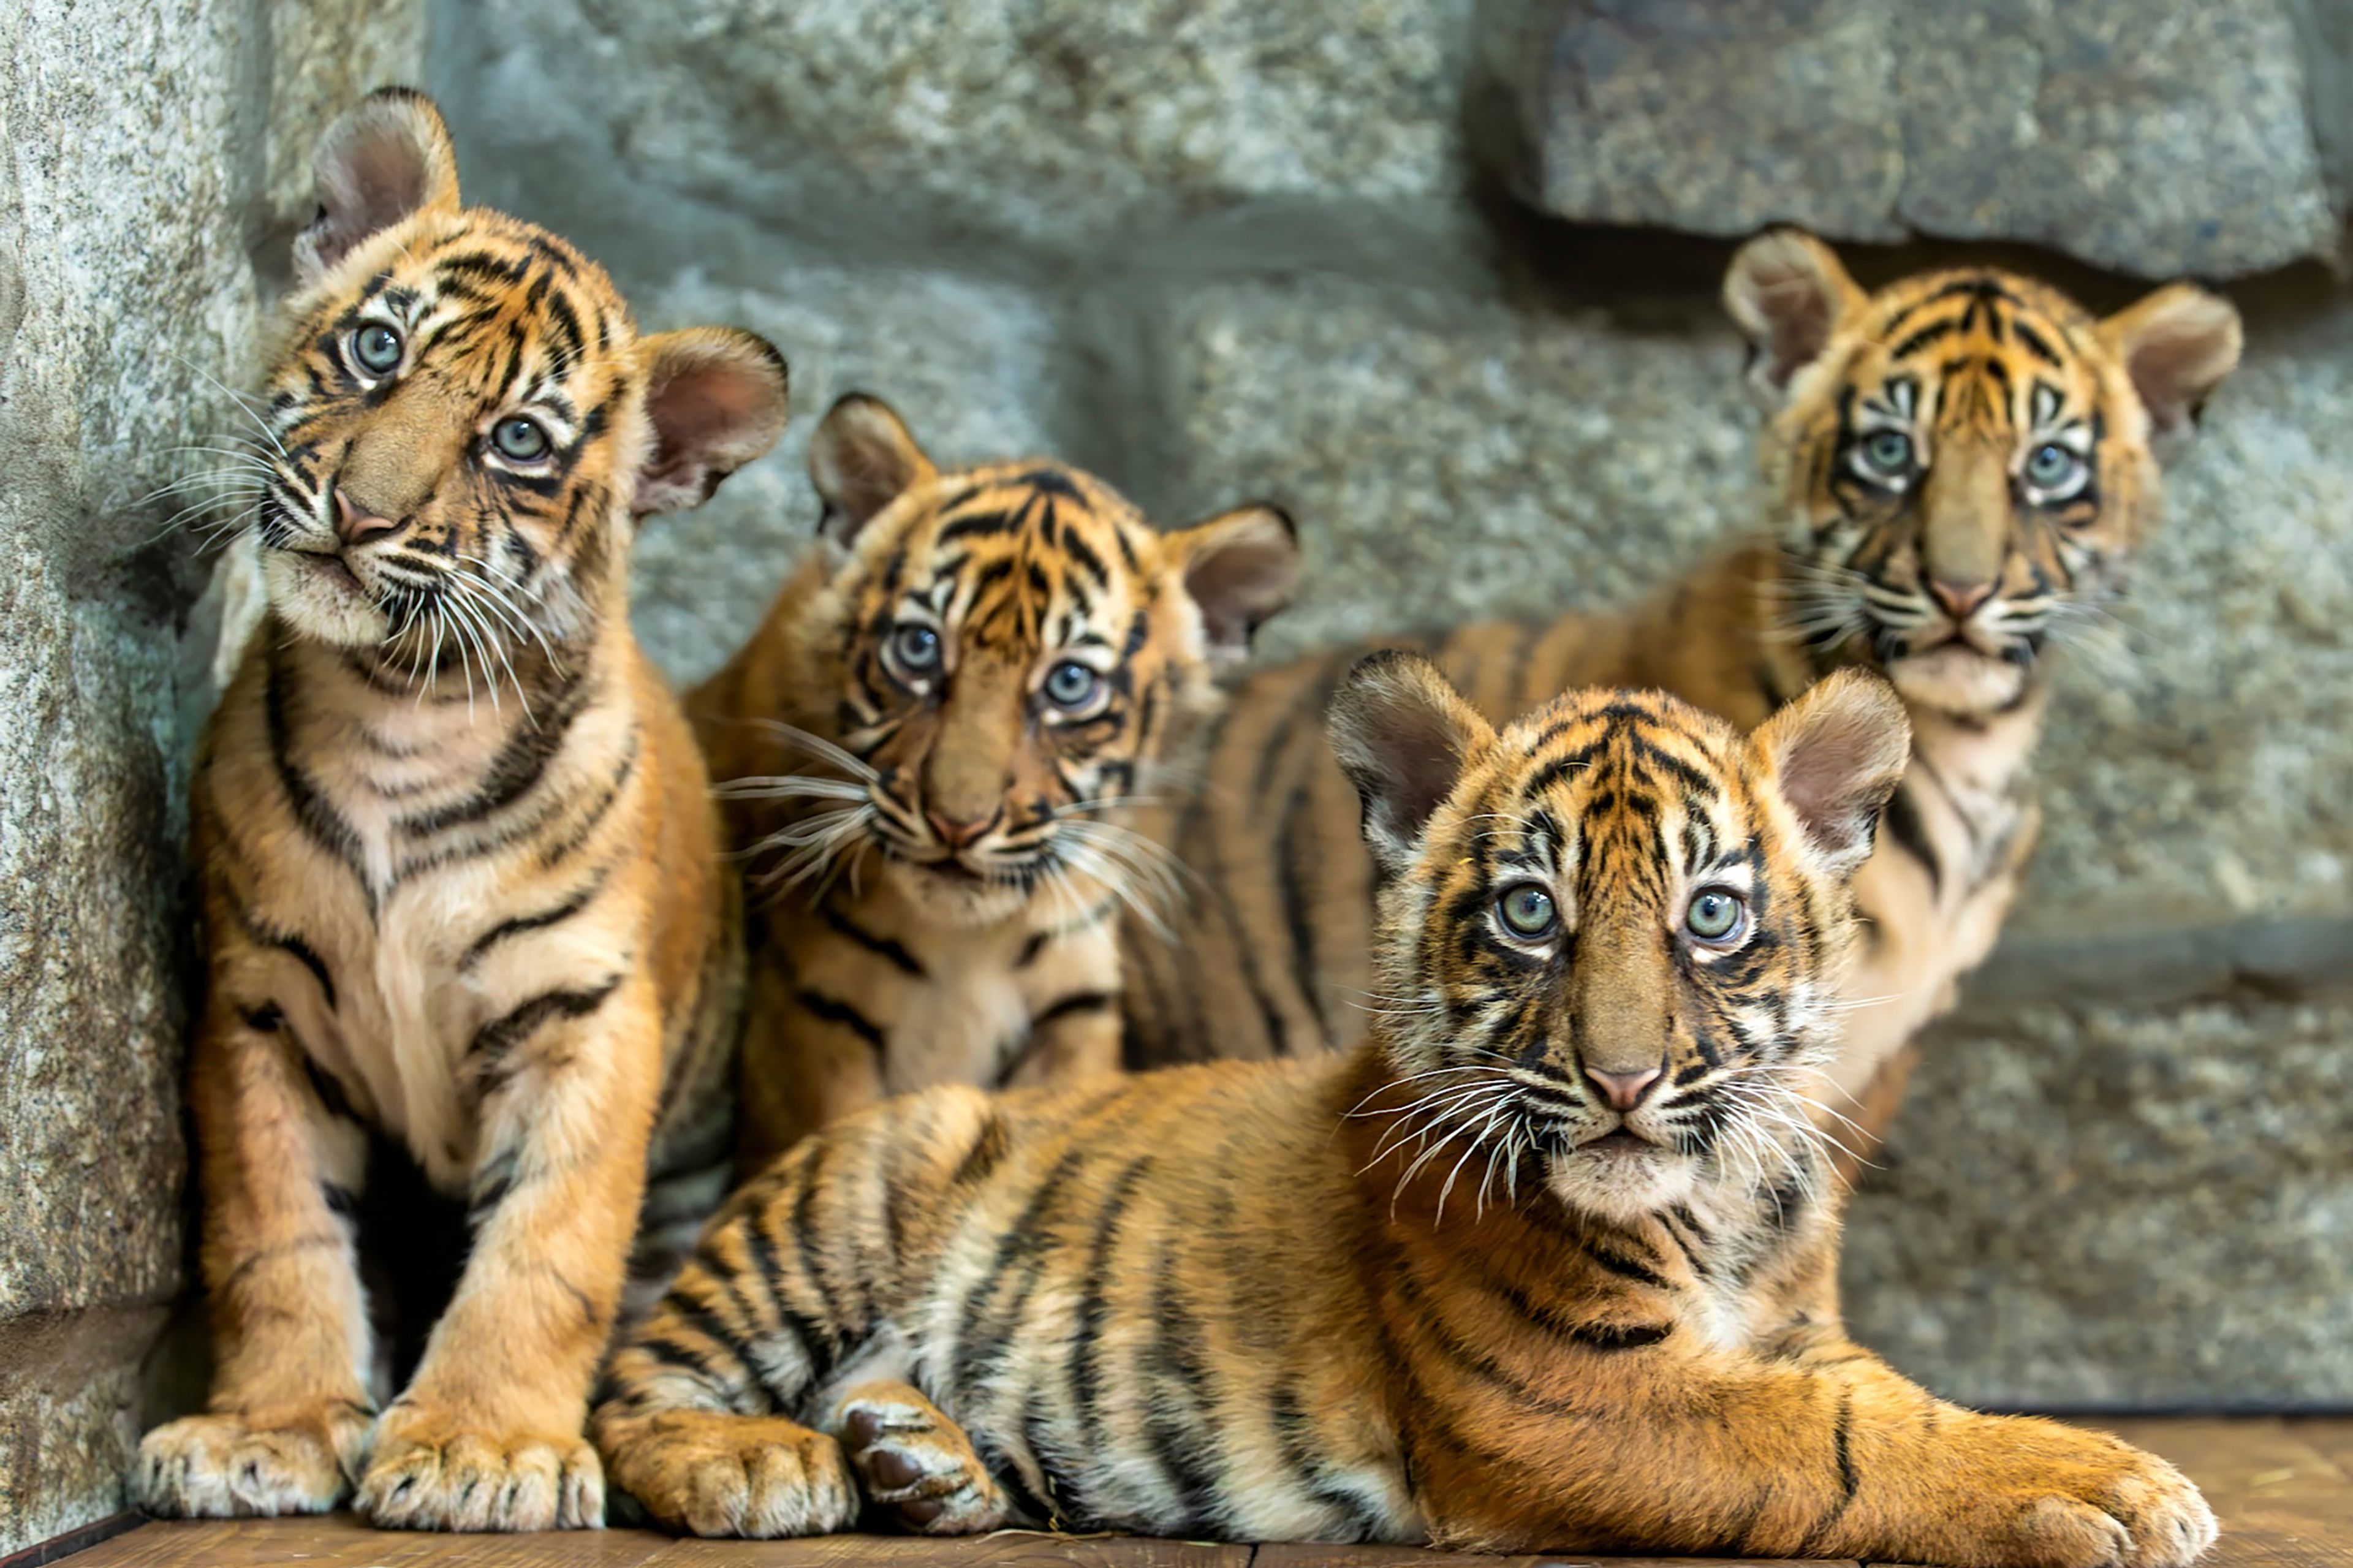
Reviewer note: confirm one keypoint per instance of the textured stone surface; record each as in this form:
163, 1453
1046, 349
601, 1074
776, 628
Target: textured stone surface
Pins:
1449, 459
1033, 117
128, 199
2141, 134
2120, 1206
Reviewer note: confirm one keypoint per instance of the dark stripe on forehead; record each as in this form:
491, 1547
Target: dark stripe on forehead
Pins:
2038, 345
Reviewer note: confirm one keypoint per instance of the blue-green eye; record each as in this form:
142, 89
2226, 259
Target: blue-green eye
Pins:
518, 441
377, 348
1527, 912
1885, 454
2052, 469
1072, 684
1717, 915
917, 649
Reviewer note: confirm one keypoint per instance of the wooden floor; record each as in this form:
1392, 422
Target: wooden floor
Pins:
2284, 1489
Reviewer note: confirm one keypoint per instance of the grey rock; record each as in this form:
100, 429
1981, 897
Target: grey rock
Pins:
1054, 119
2119, 1207
1449, 460
2139, 134
1453, 459
128, 298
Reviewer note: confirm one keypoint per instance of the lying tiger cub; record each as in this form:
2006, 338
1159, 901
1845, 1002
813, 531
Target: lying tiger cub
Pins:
1533, 1269
461, 877
928, 746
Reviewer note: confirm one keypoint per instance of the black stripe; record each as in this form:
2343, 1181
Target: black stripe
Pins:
1850, 1481
495, 1040
835, 1011
521, 923
1620, 1263
1084, 1374
1076, 1002
520, 765
1911, 836
884, 946
318, 820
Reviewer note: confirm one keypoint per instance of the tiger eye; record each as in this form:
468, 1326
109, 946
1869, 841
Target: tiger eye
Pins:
1887, 453
518, 439
1716, 914
2051, 466
917, 648
376, 347
1072, 685
1528, 911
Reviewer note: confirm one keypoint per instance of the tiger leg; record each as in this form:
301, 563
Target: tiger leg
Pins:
688, 1412
488, 1435
289, 1415
914, 1462
1832, 1456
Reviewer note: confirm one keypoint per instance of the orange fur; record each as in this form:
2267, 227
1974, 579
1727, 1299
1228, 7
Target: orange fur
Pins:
458, 861
936, 852
1536, 1268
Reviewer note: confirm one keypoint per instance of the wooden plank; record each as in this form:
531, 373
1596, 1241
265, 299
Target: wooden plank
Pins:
339, 1540
2331, 1434
1004, 1549
1314, 1556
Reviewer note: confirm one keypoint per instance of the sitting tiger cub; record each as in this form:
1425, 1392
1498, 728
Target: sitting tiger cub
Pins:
931, 741
1535, 1269
460, 864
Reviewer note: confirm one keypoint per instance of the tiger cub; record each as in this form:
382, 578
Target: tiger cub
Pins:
459, 866
1957, 473
927, 748
1530, 1270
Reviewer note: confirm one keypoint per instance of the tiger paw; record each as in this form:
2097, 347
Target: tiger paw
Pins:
917, 1464
733, 1475
429, 1473
2084, 1499
245, 1467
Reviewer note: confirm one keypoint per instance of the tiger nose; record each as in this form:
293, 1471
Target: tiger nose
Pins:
1623, 1091
957, 834
355, 527
1960, 600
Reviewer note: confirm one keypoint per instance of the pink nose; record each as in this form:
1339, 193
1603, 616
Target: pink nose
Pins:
1623, 1091
1961, 600
353, 526
955, 835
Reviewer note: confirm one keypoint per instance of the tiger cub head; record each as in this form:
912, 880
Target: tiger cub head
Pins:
1611, 933
1961, 459
998, 655
463, 424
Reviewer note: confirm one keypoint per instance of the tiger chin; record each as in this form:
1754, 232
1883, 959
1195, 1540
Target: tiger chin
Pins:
459, 870
928, 751
1530, 1270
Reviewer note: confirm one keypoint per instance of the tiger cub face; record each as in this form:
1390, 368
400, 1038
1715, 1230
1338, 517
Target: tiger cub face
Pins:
1962, 458
1611, 933
464, 422
1005, 650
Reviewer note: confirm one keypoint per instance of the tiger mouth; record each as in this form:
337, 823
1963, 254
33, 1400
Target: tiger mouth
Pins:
1618, 1143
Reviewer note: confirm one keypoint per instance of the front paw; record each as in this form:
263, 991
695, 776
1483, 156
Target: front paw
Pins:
733, 1475
433, 1472
243, 1467
2084, 1499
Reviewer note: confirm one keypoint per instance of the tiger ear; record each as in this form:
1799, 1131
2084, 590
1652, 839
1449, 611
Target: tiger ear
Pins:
1788, 293
385, 157
1240, 567
2177, 344
716, 398
1402, 734
862, 459
1837, 754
